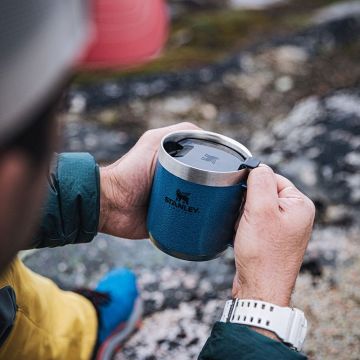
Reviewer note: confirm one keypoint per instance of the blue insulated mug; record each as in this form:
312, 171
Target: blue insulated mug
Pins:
198, 189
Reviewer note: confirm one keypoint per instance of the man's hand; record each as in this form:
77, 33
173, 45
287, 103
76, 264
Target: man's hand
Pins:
271, 238
125, 186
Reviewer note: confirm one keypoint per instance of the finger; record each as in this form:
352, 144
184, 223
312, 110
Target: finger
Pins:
180, 126
153, 137
237, 223
283, 182
161, 132
261, 189
286, 188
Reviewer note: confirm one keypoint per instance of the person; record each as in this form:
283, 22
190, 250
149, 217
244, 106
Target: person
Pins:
39, 43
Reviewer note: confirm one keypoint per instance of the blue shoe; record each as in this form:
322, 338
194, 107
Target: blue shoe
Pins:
119, 308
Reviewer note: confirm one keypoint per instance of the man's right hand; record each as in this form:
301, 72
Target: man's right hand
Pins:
271, 238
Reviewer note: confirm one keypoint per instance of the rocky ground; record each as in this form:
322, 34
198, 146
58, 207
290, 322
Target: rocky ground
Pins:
294, 100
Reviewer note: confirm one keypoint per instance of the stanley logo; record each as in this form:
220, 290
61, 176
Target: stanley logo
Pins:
182, 202
210, 158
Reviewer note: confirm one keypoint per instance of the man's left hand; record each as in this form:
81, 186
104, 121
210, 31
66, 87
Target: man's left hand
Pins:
125, 186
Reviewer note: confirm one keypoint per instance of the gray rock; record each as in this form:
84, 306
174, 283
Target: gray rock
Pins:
337, 11
284, 84
316, 145
254, 4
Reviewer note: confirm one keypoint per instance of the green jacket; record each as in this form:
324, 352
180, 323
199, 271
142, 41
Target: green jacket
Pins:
71, 216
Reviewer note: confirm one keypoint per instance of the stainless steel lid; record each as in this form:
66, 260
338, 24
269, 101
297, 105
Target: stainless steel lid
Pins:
205, 158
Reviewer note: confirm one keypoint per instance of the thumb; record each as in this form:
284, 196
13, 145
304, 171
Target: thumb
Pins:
286, 188
152, 138
262, 189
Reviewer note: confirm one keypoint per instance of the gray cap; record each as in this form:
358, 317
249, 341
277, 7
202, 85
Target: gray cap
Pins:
39, 42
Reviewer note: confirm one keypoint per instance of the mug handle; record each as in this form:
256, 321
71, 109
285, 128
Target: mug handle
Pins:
250, 163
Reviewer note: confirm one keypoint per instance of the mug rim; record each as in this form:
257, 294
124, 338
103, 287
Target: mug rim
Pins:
195, 174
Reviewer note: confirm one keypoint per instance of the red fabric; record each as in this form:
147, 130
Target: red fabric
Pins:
127, 32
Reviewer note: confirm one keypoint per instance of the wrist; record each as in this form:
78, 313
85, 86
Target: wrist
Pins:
285, 324
278, 292
104, 198
268, 295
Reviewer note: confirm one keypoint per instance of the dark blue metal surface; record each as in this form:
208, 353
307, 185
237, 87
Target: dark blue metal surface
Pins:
192, 221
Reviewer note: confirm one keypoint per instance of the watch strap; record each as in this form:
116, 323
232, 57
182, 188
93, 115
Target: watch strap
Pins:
289, 324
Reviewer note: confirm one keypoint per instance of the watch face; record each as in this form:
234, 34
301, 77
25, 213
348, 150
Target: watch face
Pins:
205, 155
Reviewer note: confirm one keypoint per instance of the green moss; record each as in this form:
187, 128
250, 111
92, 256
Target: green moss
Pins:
219, 30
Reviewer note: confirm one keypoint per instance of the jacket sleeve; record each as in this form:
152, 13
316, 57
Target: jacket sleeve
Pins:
238, 342
71, 212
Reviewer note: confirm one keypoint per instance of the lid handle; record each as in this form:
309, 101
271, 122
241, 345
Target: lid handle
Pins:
172, 147
250, 163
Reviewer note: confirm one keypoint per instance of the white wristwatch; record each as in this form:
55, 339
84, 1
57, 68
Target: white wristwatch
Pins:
289, 324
